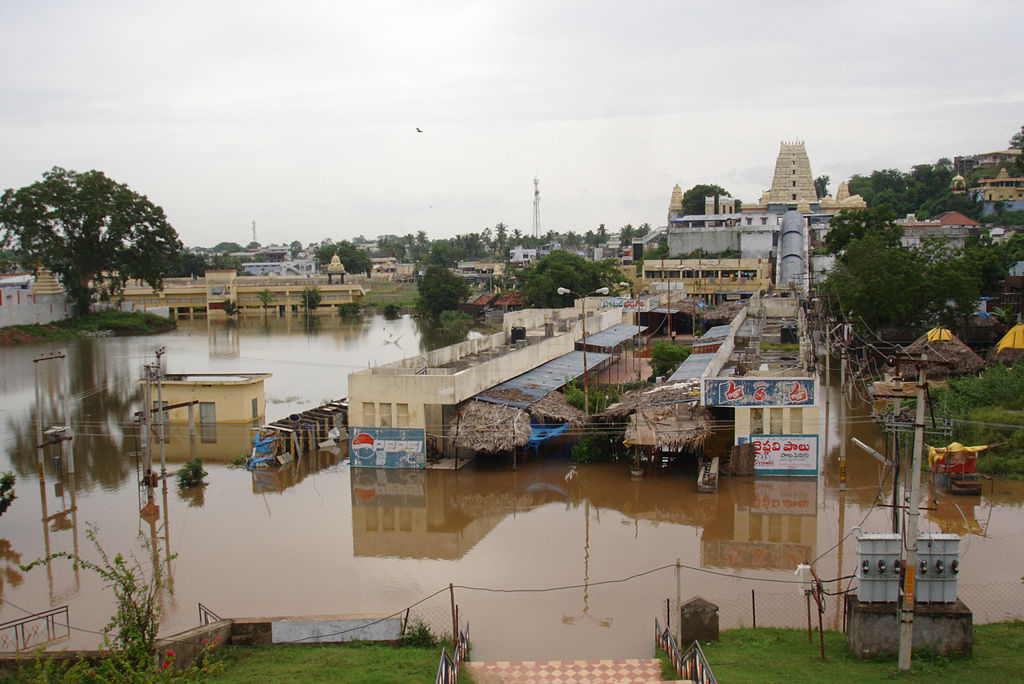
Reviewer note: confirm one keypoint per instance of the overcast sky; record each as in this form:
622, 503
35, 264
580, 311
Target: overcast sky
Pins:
302, 116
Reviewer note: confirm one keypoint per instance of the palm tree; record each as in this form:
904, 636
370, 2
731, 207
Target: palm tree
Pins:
266, 297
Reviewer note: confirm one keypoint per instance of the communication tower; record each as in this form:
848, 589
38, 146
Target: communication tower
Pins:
254, 231
536, 207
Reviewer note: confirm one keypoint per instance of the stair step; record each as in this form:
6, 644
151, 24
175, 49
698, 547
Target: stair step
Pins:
627, 671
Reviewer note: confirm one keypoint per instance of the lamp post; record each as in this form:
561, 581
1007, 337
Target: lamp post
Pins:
583, 306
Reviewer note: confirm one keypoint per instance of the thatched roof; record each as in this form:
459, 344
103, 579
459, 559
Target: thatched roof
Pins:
489, 428
724, 312
554, 408
669, 426
1009, 349
945, 347
633, 400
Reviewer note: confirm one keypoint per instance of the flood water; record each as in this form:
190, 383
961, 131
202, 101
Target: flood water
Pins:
550, 561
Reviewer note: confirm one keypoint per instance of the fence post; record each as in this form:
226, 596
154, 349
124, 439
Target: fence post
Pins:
455, 619
753, 608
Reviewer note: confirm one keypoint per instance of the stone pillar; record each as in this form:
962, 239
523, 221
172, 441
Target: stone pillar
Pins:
698, 621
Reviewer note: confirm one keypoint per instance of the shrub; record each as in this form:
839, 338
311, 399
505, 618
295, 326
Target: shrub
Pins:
351, 309
666, 357
191, 474
7, 496
419, 635
392, 311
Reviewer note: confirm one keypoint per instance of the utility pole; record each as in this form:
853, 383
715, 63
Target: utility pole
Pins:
842, 417
163, 414
910, 530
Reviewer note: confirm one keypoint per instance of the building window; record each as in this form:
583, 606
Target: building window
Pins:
794, 196
756, 421
796, 421
764, 220
369, 414
385, 415
255, 408
775, 418
794, 184
401, 415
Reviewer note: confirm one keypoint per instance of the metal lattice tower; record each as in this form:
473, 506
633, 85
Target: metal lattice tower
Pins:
254, 231
536, 207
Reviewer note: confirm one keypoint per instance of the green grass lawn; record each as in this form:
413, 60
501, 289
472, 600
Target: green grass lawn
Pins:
360, 662
784, 655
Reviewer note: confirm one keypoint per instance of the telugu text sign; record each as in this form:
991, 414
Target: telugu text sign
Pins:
785, 454
758, 392
387, 447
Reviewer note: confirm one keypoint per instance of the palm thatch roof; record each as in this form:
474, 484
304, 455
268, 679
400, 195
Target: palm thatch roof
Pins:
669, 426
487, 427
553, 407
945, 346
630, 402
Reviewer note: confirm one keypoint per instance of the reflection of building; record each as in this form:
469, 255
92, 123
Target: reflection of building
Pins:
773, 525
415, 514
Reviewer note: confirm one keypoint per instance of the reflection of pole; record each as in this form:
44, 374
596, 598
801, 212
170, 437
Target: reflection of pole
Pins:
679, 607
167, 541
910, 531
839, 561
163, 414
842, 419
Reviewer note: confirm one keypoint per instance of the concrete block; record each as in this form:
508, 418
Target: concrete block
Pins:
872, 629
699, 622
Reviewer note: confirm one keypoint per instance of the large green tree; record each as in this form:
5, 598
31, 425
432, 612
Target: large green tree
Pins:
539, 283
440, 290
94, 233
693, 199
854, 224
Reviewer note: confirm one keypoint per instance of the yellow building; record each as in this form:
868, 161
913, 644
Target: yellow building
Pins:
227, 407
188, 297
715, 279
1002, 188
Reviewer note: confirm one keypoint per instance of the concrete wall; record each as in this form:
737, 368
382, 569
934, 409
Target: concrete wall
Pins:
264, 631
188, 645
22, 307
711, 239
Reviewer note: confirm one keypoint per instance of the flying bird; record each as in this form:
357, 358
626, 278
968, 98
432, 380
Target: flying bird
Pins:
418, 130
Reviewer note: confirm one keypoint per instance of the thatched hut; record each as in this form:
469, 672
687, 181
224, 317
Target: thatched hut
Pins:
490, 428
669, 427
1009, 349
942, 345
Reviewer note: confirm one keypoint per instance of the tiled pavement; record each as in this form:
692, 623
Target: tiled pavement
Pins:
567, 672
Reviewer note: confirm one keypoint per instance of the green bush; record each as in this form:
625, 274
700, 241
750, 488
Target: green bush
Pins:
392, 311
666, 357
191, 474
600, 396
419, 635
7, 496
351, 309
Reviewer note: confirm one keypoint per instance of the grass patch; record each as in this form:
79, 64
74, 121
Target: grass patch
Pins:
123, 323
779, 346
354, 663
784, 655
379, 295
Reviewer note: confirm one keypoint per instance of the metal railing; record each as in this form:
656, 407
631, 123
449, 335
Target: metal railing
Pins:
206, 616
26, 635
448, 668
692, 664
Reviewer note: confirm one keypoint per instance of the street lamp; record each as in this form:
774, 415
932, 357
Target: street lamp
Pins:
583, 306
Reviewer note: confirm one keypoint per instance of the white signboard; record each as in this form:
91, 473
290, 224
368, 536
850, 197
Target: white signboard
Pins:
785, 454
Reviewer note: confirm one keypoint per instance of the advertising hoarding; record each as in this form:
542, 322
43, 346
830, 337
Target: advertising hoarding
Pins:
758, 392
387, 447
785, 454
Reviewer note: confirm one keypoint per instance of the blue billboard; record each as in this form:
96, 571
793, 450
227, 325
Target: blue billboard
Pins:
387, 447
757, 392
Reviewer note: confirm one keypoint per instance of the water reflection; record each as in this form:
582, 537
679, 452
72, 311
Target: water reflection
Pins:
773, 524
277, 479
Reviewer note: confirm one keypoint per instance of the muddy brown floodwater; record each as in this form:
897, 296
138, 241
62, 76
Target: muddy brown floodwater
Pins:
550, 561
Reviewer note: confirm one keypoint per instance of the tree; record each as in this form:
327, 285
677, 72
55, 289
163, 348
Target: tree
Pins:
295, 247
693, 199
222, 247
311, 298
440, 291
354, 259
93, 233
854, 224
191, 265
539, 283
666, 357
1017, 141
266, 298
821, 186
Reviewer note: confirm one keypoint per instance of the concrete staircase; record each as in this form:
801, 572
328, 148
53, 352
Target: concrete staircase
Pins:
633, 671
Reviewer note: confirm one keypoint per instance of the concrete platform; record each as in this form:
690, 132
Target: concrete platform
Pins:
872, 629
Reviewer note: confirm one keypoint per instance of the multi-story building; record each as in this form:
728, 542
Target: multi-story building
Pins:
188, 297
715, 280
